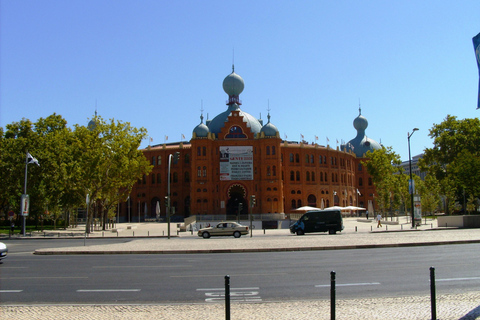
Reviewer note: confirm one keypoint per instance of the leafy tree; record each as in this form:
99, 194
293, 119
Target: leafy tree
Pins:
107, 159
102, 161
381, 165
454, 159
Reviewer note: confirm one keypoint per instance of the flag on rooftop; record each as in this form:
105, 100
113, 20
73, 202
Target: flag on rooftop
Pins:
31, 159
476, 46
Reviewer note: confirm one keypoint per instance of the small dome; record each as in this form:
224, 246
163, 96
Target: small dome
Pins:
233, 84
270, 130
92, 125
201, 131
360, 123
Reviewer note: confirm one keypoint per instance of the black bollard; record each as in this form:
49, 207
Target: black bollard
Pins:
332, 295
227, 297
433, 298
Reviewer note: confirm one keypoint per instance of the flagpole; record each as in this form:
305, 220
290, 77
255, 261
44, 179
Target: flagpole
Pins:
24, 192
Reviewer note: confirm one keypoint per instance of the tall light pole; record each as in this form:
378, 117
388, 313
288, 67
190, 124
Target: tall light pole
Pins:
411, 177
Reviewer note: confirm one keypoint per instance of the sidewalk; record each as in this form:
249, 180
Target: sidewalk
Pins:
148, 238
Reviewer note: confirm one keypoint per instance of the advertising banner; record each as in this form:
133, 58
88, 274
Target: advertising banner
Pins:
25, 204
236, 163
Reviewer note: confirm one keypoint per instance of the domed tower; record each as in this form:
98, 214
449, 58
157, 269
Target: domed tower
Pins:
361, 144
201, 131
233, 85
92, 124
269, 130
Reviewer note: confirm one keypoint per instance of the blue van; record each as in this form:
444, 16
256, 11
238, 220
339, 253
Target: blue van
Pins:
318, 221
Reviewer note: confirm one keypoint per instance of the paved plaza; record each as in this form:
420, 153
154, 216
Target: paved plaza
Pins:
358, 233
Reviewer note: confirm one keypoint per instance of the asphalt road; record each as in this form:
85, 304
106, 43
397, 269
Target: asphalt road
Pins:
199, 278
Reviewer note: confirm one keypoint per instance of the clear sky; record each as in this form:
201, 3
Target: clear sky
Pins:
155, 63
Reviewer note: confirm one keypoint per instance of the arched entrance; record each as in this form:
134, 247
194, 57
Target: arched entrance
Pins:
312, 200
236, 196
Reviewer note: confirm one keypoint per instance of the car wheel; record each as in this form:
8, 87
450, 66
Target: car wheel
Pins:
237, 234
332, 231
206, 235
300, 232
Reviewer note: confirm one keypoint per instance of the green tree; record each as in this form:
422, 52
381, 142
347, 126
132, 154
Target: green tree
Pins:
107, 160
454, 159
382, 165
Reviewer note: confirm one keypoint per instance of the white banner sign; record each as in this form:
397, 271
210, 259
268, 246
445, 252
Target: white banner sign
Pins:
236, 163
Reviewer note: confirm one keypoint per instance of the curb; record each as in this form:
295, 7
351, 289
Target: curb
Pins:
243, 250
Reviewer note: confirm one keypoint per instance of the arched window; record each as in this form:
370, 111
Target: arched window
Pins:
307, 175
268, 171
187, 158
273, 150
204, 151
326, 177
199, 151
159, 162
312, 159
199, 171
294, 204
292, 176
175, 177
274, 171
297, 158
321, 176
268, 150
153, 176
360, 181
159, 180
320, 159
359, 167
204, 171
299, 203
369, 181
291, 157
186, 176
153, 160
307, 158
313, 176
298, 175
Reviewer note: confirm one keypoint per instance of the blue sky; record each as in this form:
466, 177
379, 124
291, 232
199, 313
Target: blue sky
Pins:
155, 63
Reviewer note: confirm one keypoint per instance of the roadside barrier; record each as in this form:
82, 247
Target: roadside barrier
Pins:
333, 293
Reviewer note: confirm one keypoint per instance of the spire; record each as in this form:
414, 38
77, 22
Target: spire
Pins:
359, 108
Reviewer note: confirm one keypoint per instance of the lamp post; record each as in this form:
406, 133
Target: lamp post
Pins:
411, 177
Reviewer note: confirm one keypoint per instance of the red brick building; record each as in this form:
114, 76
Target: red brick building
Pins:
235, 156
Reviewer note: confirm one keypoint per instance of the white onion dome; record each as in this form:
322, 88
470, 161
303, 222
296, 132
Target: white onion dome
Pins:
270, 130
201, 131
233, 84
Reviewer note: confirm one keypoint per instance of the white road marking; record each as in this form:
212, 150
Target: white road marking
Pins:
349, 284
214, 295
108, 290
10, 291
457, 279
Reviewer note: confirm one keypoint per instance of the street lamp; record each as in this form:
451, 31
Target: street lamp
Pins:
411, 177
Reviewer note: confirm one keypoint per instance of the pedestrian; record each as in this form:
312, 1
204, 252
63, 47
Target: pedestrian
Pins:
379, 220
12, 227
366, 213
